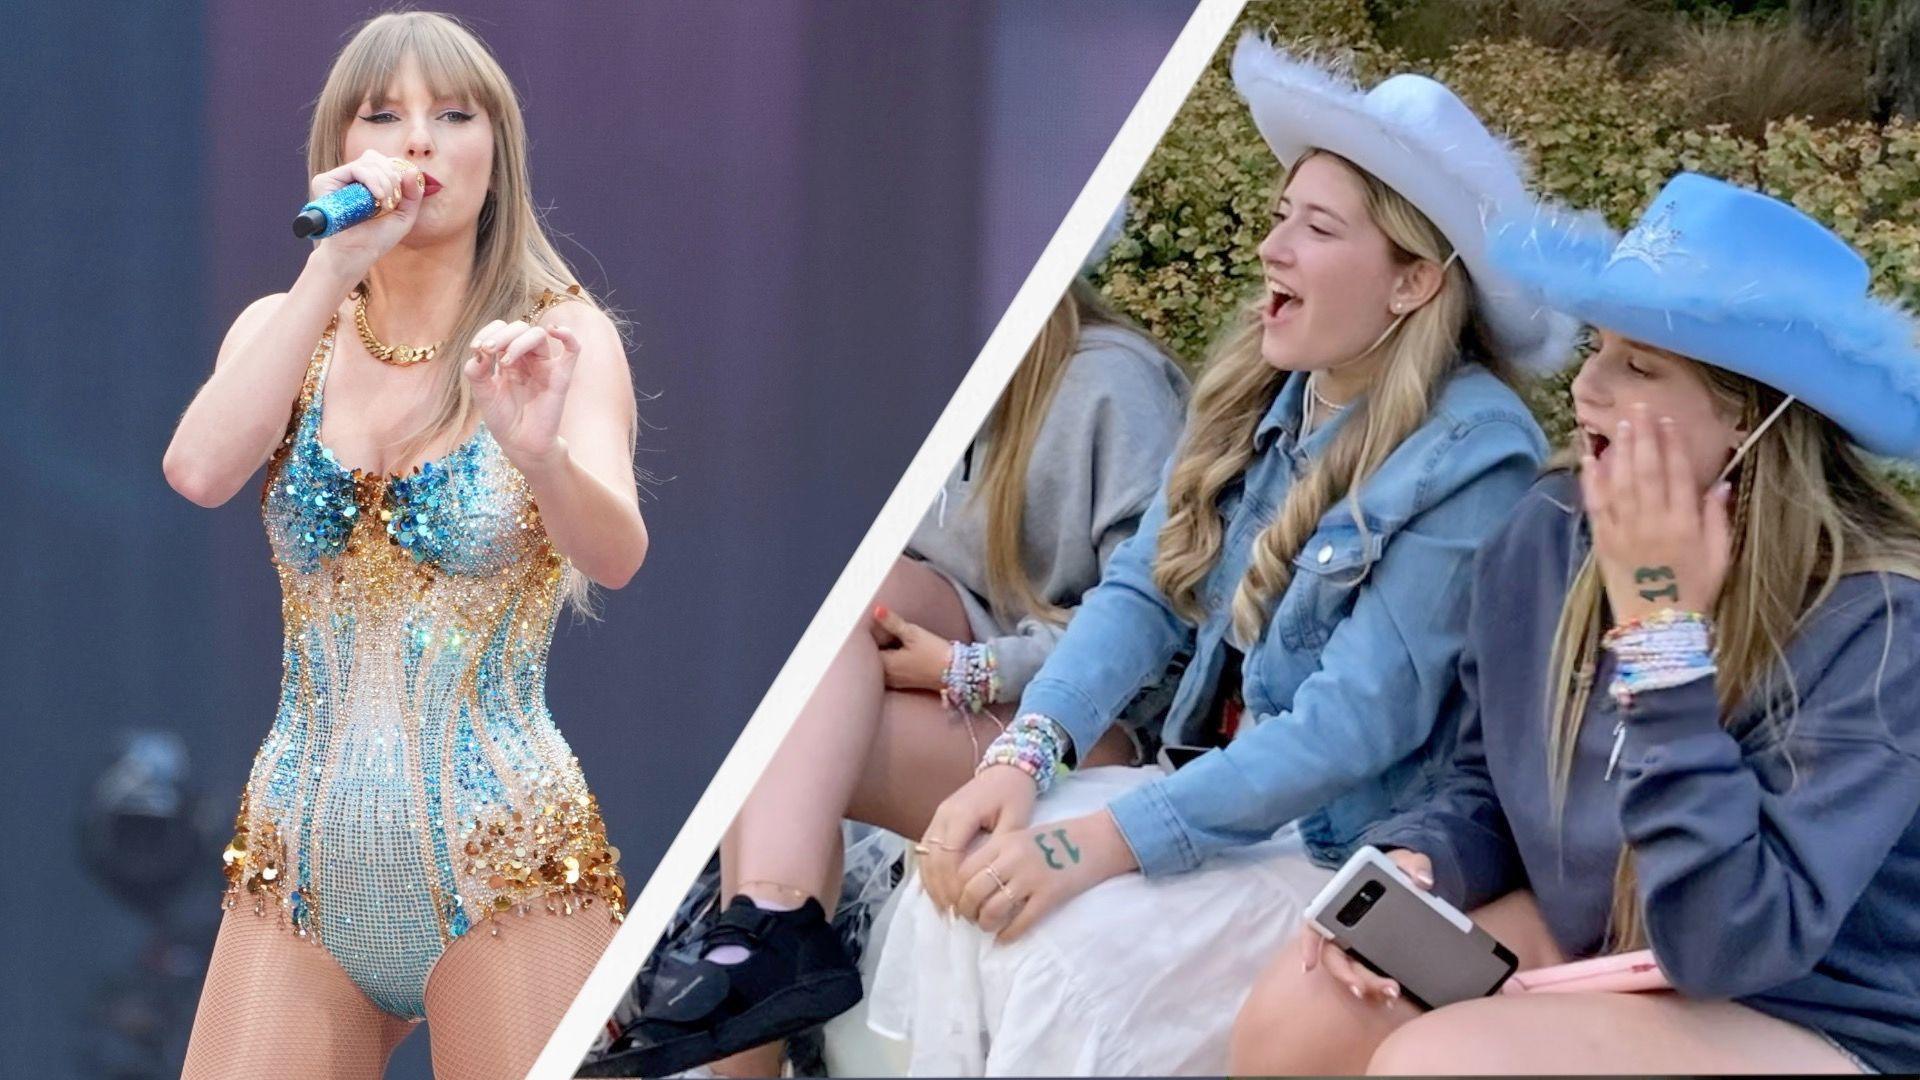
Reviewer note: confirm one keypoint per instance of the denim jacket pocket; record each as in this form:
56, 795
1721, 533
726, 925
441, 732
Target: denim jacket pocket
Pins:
1327, 575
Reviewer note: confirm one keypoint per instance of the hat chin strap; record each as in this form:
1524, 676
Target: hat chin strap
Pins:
1397, 320
1747, 443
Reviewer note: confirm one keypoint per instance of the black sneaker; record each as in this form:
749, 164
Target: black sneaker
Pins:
797, 976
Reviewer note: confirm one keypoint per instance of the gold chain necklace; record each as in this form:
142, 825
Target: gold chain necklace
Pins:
408, 355
397, 355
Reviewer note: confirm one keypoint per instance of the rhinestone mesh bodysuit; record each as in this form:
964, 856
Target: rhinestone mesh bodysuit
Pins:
413, 786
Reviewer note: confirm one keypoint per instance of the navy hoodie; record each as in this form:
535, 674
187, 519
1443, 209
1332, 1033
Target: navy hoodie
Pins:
1781, 872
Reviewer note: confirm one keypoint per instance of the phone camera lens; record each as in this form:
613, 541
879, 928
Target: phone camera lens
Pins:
1353, 910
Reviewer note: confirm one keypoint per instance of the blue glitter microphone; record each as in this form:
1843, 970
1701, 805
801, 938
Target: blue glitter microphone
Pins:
335, 211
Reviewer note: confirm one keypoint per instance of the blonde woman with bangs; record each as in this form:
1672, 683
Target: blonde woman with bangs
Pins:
1692, 737
447, 425
1348, 447
1056, 480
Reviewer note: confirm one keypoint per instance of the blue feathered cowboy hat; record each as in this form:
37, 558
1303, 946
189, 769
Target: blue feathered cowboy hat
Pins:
1741, 281
1422, 141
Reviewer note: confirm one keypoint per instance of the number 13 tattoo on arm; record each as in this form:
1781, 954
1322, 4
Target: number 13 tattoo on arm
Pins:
1066, 848
1646, 575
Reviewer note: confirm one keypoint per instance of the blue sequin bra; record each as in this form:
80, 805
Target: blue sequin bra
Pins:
413, 785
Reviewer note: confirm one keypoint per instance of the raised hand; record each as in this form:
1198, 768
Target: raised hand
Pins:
1659, 541
520, 375
397, 188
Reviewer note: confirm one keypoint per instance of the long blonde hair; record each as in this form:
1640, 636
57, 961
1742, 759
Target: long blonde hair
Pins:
1805, 510
1011, 431
1239, 386
514, 262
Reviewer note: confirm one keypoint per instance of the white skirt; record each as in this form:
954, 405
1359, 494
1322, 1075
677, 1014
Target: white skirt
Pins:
1134, 976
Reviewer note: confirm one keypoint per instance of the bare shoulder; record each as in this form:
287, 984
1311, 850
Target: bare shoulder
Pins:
599, 338
602, 368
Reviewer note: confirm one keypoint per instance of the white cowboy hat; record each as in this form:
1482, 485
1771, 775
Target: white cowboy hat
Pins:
1421, 140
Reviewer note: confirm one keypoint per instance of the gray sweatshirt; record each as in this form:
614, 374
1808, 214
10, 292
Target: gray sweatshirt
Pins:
1111, 426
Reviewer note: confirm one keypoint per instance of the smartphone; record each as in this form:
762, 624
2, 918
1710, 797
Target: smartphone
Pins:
1172, 757
1398, 930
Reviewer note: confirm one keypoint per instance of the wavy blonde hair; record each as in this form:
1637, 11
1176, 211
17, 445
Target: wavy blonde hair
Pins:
1806, 509
1012, 429
514, 261
1239, 385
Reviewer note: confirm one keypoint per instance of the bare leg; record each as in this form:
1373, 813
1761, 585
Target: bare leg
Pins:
493, 1001
1602, 1033
1305, 1022
276, 1004
788, 832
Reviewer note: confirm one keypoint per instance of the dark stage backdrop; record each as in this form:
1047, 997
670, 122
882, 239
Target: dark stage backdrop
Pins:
812, 213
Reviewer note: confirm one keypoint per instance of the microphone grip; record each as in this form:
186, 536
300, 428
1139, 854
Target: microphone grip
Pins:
335, 211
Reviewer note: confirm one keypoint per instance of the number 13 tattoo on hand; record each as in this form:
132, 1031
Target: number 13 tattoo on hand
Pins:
1646, 575
1072, 853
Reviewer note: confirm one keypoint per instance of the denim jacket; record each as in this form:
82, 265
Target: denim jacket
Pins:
1351, 699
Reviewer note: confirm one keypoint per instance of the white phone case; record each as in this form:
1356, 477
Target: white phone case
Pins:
1401, 931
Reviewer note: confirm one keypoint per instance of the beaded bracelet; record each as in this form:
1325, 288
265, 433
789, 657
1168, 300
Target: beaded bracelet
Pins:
1666, 649
972, 678
1034, 744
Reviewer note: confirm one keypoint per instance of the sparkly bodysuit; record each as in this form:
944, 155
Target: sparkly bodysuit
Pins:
413, 786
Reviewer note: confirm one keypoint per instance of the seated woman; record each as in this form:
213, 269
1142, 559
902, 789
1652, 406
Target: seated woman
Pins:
1694, 697
1346, 452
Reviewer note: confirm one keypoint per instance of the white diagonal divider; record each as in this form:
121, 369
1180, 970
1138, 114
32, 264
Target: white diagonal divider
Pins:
837, 617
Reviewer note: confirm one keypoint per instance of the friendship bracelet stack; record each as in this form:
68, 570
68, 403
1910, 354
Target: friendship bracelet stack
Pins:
972, 679
1034, 744
1668, 648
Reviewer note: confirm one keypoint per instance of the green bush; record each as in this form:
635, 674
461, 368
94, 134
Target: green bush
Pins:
1595, 138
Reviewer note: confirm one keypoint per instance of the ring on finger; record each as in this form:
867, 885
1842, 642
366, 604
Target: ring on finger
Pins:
999, 882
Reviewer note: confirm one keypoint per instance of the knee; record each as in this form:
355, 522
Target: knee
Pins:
1444, 1041
900, 589
1402, 1052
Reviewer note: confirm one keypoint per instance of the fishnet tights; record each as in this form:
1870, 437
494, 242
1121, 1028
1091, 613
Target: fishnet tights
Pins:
276, 1005
492, 1002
